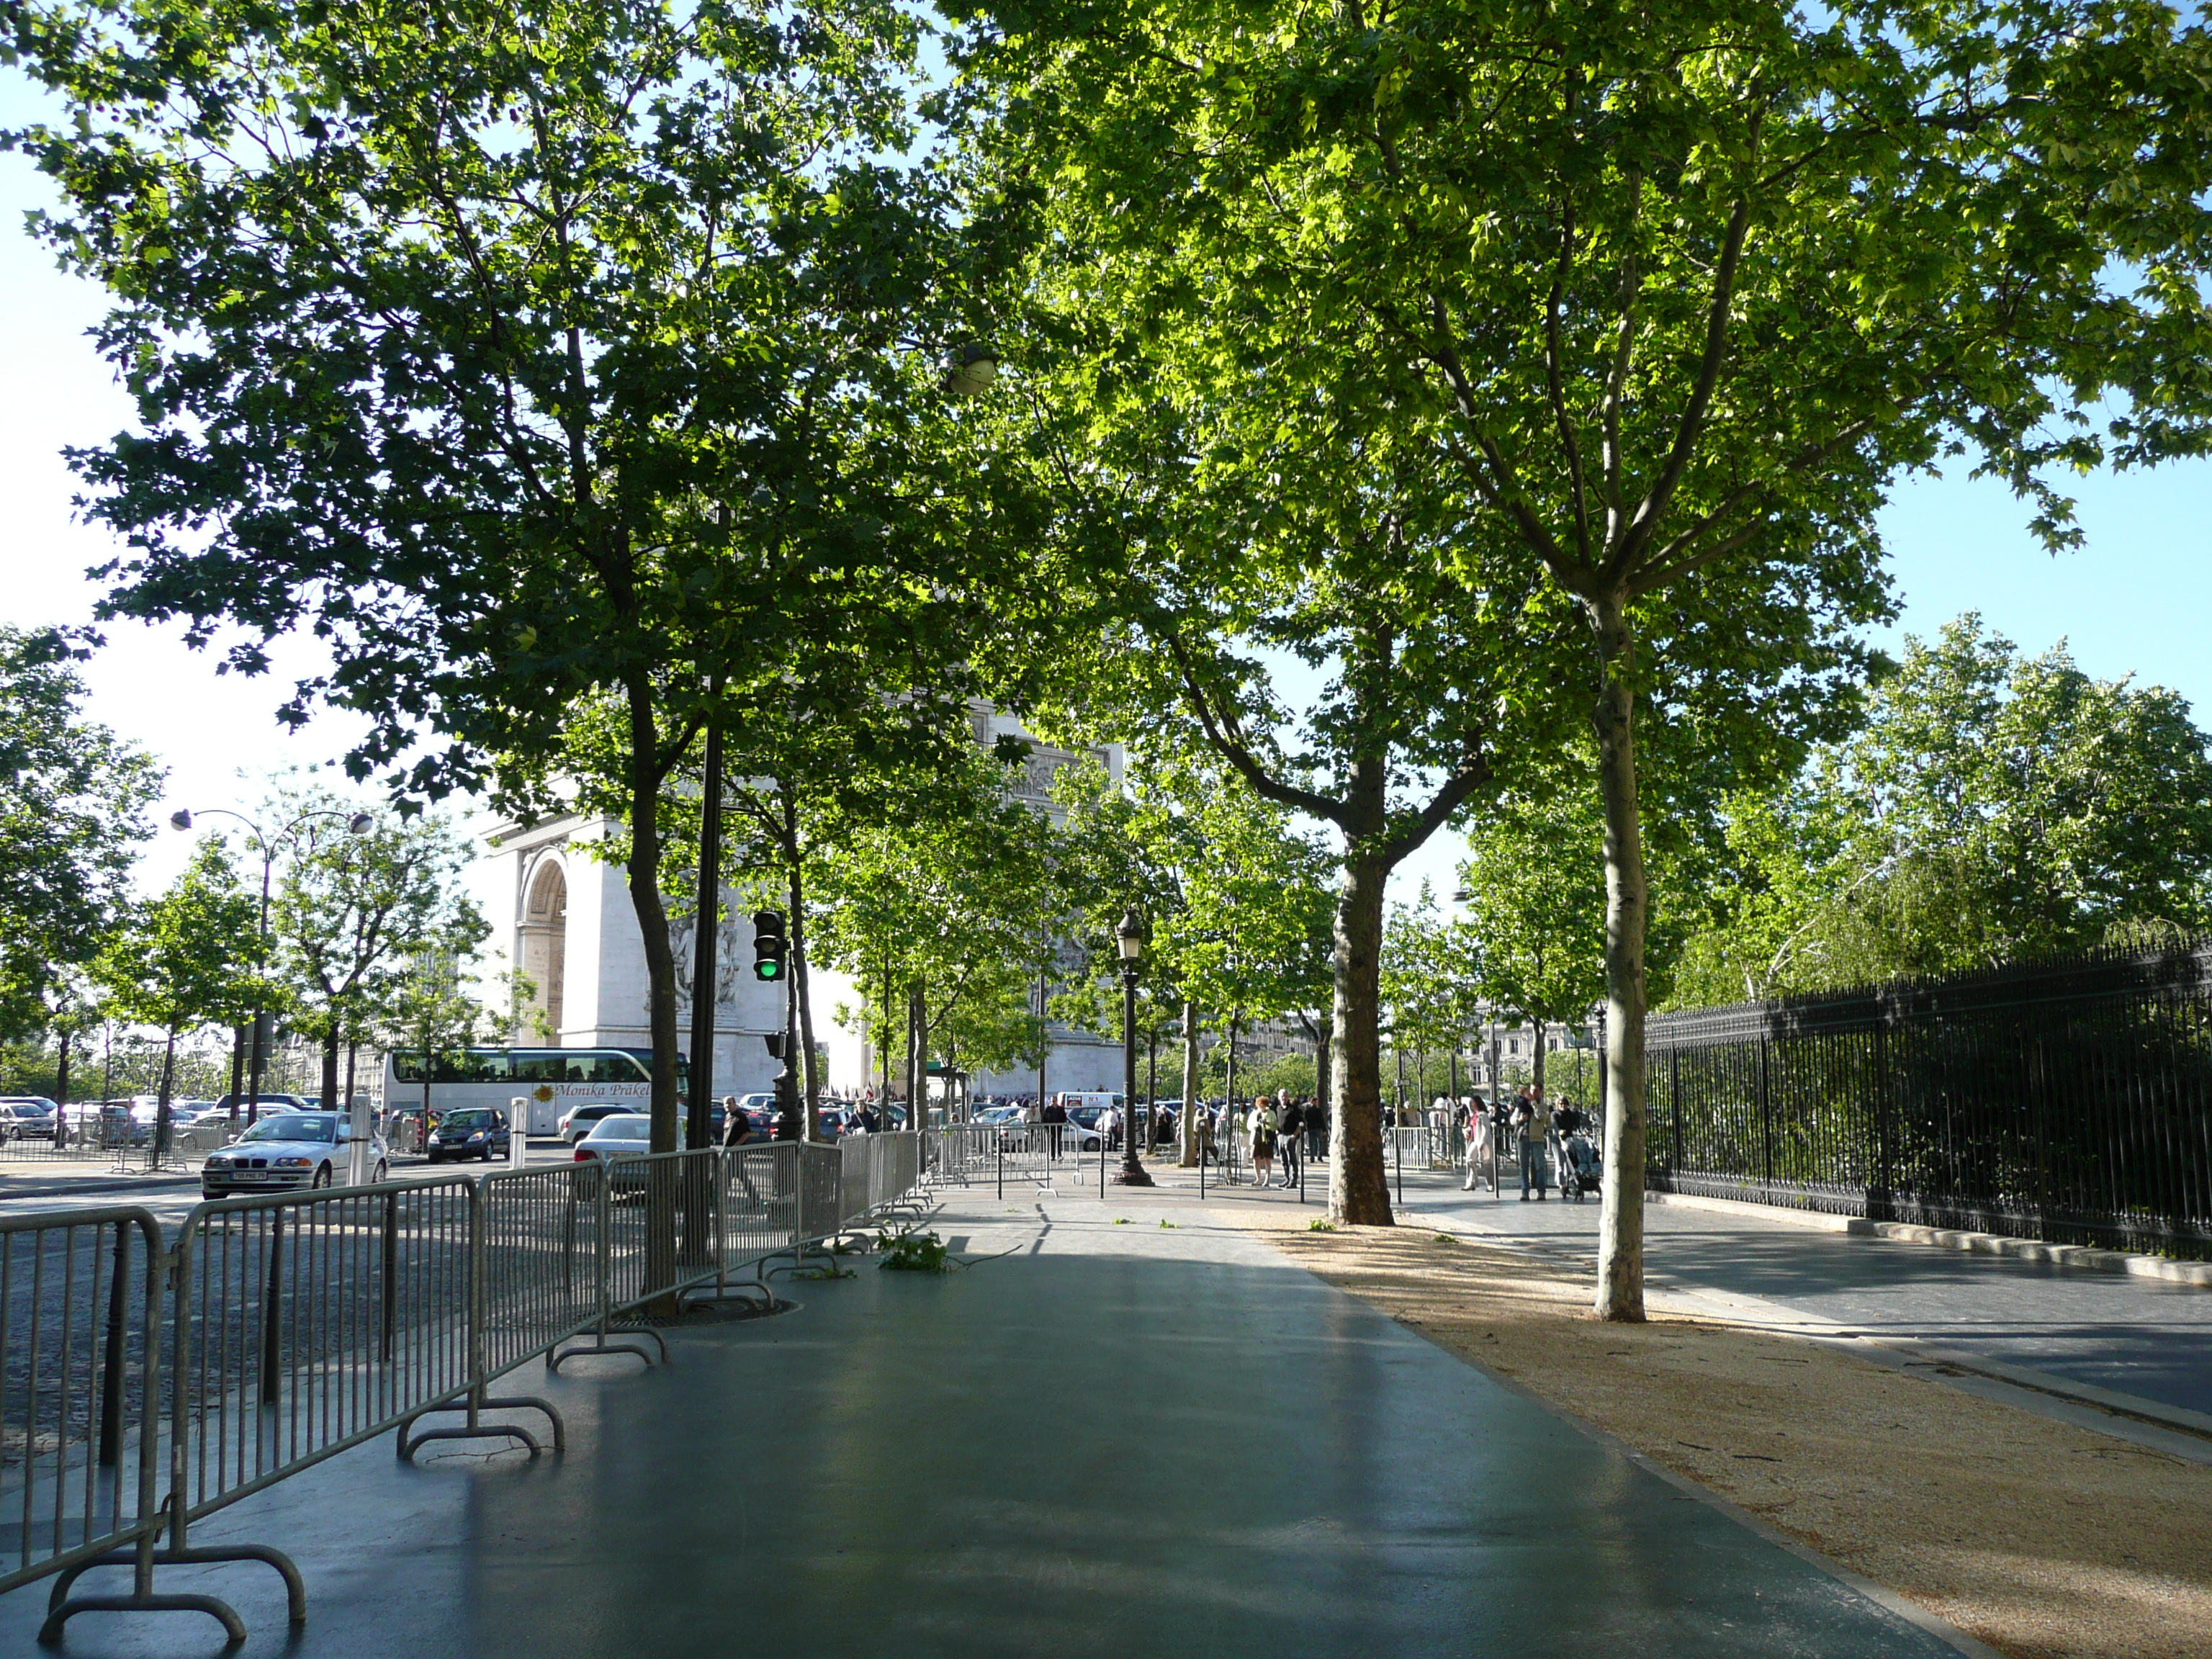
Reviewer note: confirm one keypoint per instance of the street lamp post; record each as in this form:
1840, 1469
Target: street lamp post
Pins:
357, 823
1130, 937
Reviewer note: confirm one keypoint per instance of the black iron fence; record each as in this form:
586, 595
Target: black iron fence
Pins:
2069, 1100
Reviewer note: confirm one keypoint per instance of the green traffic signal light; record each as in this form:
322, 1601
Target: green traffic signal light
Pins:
771, 945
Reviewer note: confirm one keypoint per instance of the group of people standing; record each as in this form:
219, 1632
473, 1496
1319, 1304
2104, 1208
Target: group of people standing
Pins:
1525, 1126
1273, 1132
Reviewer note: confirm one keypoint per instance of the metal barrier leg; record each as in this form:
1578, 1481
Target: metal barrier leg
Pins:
599, 1344
557, 1355
61, 1607
475, 1428
479, 1400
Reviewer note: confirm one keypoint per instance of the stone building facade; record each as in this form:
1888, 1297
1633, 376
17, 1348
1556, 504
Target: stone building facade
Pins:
563, 915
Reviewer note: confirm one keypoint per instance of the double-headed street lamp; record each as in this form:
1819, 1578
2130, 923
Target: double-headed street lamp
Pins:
356, 824
1130, 936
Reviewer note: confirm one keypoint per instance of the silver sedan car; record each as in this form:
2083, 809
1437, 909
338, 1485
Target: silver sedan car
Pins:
288, 1151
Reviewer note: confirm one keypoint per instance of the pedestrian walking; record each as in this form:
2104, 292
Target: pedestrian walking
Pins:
1290, 1123
737, 1129
1263, 1141
1532, 1118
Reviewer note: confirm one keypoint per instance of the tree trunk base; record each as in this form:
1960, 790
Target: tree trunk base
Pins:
1356, 1214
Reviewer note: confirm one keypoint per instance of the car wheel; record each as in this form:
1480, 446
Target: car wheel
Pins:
322, 1177
383, 1172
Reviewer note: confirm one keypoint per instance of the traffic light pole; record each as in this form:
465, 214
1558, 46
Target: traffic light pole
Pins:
772, 965
790, 1111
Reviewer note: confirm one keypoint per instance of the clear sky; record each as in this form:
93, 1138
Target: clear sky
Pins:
2134, 600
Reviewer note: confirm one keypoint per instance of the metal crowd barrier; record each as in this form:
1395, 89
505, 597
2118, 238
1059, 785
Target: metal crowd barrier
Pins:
276, 1332
1419, 1146
81, 1332
123, 1144
978, 1154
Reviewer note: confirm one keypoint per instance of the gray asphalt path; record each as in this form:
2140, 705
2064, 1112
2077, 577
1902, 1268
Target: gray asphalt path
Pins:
1110, 1440
2145, 1337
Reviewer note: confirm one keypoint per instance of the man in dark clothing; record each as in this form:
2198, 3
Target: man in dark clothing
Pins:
737, 1129
1291, 1142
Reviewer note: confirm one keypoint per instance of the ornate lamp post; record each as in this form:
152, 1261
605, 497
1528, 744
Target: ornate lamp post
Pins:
1130, 936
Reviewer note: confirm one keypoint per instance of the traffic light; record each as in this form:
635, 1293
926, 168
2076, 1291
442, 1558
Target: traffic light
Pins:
771, 947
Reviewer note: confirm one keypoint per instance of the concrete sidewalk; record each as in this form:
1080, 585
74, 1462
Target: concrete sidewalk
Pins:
2146, 1339
1110, 1440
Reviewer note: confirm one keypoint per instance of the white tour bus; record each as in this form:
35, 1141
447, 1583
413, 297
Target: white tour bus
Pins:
551, 1080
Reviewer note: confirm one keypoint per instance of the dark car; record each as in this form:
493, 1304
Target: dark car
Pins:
472, 1131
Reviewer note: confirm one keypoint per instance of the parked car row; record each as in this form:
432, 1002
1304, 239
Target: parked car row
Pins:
100, 1122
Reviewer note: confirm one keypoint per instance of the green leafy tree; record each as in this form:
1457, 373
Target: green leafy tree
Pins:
1638, 316
350, 909
432, 1009
184, 960
942, 911
1534, 917
525, 354
73, 805
1237, 902
1428, 983
1994, 806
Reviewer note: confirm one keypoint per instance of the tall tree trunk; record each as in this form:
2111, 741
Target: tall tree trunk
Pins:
1190, 1085
1620, 1226
330, 1095
661, 985
1536, 1069
1044, 1028
884, 1043
644, 871
237, 1069
1358, 1182
1228, 1083
1323, 1082
705, 983
61, 1070
706, 933
162, 1104
917, 1059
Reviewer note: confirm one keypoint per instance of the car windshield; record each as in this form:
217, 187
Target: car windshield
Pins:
296, 1126
628, 1127
465, 1120
29, 1108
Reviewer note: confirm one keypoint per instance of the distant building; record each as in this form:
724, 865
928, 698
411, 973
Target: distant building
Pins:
563, 917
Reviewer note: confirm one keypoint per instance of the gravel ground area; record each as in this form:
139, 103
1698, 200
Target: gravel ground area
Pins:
2039, 1537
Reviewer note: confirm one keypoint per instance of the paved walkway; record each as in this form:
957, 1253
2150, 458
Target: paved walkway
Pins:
1111, 1440
2143, 1337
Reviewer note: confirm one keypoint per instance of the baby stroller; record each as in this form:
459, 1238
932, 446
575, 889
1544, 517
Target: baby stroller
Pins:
1579, 1168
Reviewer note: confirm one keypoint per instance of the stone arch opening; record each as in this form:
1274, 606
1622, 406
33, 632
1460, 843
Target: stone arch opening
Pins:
545, 947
